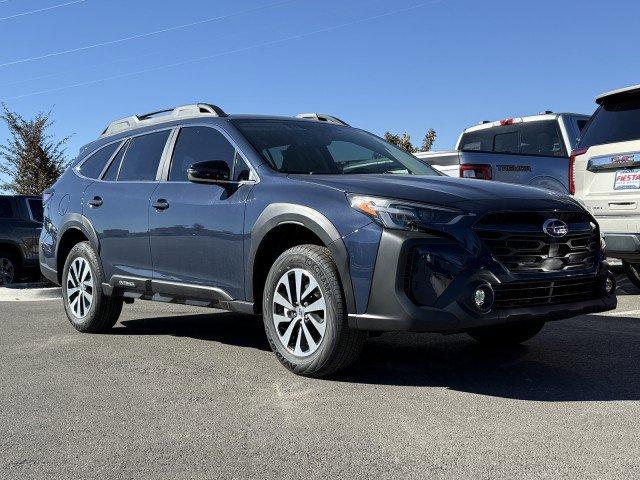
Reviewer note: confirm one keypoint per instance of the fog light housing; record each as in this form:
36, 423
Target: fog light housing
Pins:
609, 284
482, 297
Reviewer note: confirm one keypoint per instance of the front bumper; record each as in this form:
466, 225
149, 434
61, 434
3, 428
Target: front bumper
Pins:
441, 300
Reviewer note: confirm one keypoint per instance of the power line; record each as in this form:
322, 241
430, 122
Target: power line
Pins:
23, 14
228, 52
142, 35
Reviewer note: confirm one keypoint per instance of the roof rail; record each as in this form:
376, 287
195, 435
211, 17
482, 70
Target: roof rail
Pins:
133, 121
321, 117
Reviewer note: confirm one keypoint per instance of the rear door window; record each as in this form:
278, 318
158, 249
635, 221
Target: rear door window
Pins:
616, 120
92, 167
140, 163
527, 138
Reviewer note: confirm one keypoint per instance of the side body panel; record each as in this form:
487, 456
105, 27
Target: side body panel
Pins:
122, 225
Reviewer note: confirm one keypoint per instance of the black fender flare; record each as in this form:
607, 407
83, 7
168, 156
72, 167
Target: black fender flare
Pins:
288, 213
75, 221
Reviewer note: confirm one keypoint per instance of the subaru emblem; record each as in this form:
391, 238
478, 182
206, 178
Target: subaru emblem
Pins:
555, 228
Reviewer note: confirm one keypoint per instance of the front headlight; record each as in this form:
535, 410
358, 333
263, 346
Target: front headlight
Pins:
402, 215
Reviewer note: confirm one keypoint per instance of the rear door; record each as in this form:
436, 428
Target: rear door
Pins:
527, 152
608, 173
117, 205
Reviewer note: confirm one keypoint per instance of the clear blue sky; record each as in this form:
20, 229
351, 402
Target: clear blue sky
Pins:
445, 64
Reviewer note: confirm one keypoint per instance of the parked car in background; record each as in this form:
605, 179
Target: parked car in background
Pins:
606, 174
445, 162
20, 225
327, 231
532, 150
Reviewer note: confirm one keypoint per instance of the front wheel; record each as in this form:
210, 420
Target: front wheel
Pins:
633, 272
305, 316
89, 310
509, 334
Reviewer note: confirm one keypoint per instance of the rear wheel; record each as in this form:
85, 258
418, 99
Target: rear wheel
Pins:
8, 268
633, 272
305, 315
509, 334
88, 309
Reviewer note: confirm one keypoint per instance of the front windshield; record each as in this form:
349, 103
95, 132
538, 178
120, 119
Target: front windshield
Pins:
311, 147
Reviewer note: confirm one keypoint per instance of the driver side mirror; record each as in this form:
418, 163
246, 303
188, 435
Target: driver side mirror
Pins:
212, 171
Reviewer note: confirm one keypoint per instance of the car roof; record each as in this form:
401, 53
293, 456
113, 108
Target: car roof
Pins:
600, 98
526, 118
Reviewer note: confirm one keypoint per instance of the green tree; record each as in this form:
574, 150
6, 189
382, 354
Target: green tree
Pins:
404, 141
32, 160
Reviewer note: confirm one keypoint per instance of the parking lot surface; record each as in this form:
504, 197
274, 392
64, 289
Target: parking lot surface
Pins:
179, 392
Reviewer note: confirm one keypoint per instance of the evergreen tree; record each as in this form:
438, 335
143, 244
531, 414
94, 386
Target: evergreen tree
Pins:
31, 160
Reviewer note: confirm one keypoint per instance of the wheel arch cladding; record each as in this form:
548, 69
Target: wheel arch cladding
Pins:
272, 234
75, 229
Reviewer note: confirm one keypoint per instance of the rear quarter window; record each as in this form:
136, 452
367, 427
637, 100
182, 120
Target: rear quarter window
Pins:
92, 167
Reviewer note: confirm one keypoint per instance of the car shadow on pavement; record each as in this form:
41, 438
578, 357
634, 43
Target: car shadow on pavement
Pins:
588, 359
226, 327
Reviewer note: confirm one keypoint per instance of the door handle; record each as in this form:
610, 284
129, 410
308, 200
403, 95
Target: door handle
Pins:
95, 202
160, 204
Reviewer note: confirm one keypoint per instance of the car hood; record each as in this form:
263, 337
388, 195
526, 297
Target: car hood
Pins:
439, 190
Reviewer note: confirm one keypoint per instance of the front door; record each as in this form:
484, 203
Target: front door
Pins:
196, 230
118, 206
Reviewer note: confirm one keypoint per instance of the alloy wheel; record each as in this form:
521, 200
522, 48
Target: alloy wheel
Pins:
80, 287
299, 312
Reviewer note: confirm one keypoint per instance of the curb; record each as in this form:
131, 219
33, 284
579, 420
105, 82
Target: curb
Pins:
11, 294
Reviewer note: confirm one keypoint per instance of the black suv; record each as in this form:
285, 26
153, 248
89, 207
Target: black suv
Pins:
20, 225
327, 231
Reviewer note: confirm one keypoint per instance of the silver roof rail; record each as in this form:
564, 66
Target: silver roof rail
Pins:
321, 117
192, 110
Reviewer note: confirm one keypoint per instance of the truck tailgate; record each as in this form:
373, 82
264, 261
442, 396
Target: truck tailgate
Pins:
533, 170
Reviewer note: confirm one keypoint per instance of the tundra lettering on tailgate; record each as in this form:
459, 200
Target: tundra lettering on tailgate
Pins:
514, 168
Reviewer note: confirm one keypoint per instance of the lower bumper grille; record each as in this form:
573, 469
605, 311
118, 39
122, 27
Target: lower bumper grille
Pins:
533, 294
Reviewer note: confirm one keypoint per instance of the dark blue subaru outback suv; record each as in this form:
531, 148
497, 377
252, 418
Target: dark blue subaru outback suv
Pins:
327, 231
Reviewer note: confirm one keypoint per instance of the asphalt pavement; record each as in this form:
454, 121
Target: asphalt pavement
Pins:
180, 392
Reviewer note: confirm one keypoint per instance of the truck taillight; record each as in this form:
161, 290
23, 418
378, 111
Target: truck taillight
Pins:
482, 172
572, 172
507, 121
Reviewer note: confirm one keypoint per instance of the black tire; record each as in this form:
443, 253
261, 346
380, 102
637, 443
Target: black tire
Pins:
340, 346
103, 312
9, 268
509, 334
633, 272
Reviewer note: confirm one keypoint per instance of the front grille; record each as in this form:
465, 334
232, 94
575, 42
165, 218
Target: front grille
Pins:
534, 294
517, 241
